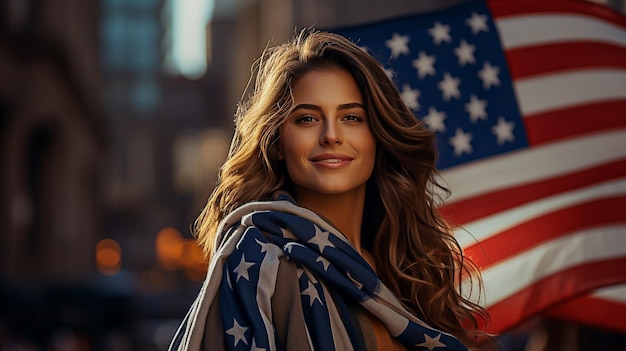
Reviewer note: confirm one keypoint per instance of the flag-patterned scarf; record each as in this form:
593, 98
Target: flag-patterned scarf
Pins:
258, 237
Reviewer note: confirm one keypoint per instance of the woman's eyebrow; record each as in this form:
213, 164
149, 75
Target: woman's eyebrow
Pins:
307, 107
340, 107
351, 105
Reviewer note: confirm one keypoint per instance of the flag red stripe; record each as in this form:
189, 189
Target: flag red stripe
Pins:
555, 288
506, 8
542, 128
529, 61
464, 211
576, 120
550, 226
604, 313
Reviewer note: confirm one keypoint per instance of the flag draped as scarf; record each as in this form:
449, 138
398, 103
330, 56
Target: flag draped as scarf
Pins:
235, 309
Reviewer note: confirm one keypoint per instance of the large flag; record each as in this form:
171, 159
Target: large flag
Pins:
528, 99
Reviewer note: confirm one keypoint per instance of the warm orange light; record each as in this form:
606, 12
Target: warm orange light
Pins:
108, 256
193, 261
175, 252
169, 247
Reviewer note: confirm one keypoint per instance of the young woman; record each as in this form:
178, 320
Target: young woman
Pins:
323, 231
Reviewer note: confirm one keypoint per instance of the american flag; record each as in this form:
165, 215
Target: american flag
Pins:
528, 99
272, 247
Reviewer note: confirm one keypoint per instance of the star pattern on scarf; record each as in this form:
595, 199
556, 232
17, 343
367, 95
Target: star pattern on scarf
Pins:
257, 256
324, 262
238, 332
321, 239
242, 269
431, 343
312, 293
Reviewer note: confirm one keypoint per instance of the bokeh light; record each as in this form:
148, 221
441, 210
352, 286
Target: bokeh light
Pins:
175, 252
108, 257
169, 248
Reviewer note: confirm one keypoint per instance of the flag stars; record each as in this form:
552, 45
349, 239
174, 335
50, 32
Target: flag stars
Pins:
425, 65
242, 269
325, 263
398, 44
312, 293
431, 343
476, 109
434, 120
465, 53
238, 332
461, 142
440, 33
504, 131
410, 96
478, 23
321, 239
489, 75
449, 86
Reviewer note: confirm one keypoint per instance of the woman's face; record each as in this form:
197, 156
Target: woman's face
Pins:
326, 142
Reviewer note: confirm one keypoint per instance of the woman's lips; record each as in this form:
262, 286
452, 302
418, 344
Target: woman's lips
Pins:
331, 160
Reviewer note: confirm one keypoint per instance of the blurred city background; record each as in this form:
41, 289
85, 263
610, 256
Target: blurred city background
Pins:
114, 118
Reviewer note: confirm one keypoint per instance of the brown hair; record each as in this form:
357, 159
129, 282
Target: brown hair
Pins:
416, 254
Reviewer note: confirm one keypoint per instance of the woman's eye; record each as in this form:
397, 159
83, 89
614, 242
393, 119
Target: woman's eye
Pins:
352, 117
305, 119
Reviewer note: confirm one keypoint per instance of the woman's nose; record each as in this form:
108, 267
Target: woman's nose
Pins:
331, 134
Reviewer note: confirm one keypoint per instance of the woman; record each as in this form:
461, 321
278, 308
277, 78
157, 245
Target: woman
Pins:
323, 231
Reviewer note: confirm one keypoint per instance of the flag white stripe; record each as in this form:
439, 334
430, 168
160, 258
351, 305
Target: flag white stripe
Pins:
534, 164
616, 293
265, 291
530, 30
600, 243
553, 91
490, 226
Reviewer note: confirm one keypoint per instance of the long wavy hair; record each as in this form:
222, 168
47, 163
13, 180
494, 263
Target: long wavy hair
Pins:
416, 254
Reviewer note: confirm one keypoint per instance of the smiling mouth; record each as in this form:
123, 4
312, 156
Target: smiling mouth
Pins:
331, 160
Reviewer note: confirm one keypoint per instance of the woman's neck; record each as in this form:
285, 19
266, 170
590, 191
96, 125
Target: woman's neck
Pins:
344, 211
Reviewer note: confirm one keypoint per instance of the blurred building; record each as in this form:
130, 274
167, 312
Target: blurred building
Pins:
53, 137
52, 159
